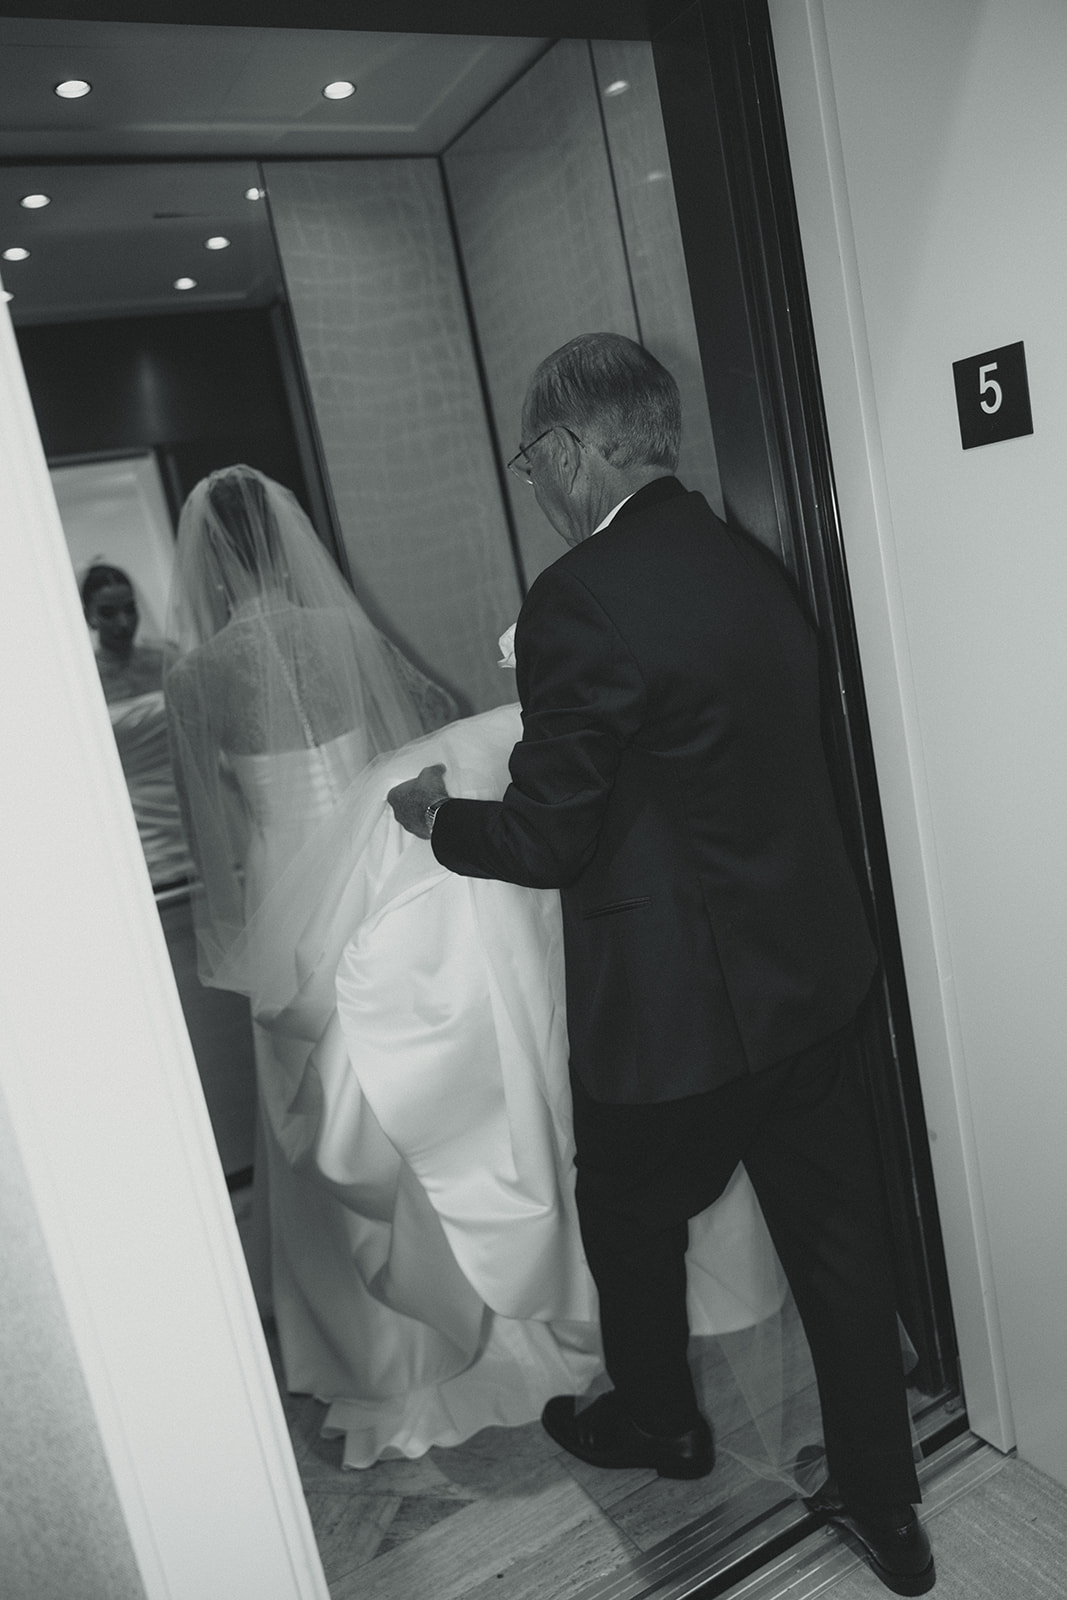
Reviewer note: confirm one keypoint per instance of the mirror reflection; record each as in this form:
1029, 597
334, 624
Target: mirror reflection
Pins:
361, 344
129, 658
139, 389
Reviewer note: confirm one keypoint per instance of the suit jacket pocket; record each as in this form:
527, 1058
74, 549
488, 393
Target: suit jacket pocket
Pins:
616, 906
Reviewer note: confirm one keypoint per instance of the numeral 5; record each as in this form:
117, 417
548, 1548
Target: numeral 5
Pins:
988, 385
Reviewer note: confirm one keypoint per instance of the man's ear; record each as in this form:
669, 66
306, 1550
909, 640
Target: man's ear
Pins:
569, 458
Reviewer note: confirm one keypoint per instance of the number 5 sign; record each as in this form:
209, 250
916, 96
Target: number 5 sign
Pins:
993, 396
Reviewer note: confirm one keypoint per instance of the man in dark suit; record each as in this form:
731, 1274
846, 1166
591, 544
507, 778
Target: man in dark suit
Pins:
671, 783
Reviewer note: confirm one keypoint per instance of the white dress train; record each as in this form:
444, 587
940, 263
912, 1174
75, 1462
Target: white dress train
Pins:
427, 1273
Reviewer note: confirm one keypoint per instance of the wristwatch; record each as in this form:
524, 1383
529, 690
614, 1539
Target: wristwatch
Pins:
433, 808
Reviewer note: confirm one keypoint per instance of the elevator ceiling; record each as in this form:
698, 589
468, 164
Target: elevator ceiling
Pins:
118, 234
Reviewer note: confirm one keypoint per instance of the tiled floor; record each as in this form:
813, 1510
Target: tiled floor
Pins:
997, 1525
509, 1514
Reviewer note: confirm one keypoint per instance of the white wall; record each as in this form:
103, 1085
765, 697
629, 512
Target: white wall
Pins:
175, 1418
53, 1473
929, 147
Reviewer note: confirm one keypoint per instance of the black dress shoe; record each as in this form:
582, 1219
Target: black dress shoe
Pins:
890, 1538
604, 1436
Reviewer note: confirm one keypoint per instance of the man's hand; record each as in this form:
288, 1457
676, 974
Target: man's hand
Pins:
409, 800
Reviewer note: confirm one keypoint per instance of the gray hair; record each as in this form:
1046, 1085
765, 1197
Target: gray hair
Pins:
616, 397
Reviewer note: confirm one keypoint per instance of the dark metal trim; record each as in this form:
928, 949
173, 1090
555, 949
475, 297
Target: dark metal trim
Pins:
601, 19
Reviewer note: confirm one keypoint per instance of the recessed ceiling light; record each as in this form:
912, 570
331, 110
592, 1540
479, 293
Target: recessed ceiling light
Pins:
16, 252
341, 90
185, 283
34, 202
620, 86
218, 241
254, 194
72, 88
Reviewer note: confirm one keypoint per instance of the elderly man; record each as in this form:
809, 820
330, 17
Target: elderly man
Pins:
671, 783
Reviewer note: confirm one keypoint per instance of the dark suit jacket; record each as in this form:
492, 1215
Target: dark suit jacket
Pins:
671, 783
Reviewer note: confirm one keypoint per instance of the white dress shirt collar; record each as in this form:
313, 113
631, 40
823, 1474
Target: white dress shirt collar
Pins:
612, 514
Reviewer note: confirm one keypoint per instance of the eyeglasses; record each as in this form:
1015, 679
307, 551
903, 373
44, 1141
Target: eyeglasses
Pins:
521, 467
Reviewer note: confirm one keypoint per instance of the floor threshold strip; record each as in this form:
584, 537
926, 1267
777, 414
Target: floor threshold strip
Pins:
783, 1550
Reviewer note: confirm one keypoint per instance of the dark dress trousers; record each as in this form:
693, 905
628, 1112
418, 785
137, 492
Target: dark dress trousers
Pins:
671, 783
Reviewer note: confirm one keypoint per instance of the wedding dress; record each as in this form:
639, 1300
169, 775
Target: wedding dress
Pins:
139, 723
427, 1277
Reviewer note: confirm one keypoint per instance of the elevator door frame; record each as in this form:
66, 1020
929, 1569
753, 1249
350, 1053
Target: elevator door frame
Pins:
718, 88
793, 478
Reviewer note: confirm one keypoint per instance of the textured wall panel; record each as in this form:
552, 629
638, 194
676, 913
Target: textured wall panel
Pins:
372, 279
539, 232
638, 149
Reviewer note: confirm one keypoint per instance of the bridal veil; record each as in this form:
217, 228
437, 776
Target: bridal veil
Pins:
279, 690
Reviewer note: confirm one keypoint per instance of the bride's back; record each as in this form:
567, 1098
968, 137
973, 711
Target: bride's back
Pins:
277, 677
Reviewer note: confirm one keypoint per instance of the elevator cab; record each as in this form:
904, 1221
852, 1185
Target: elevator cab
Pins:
623, 172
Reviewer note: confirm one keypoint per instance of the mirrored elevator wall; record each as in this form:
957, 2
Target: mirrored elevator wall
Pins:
423, 294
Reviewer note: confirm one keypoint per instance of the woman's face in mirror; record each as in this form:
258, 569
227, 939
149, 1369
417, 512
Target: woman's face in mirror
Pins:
112, 611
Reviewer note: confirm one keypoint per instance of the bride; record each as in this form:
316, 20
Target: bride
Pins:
131, 676
426, 1272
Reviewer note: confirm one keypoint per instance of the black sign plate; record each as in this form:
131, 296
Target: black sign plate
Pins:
993, 396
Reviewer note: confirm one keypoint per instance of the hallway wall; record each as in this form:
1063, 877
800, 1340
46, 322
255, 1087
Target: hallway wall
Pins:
929, 148
55, 1485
